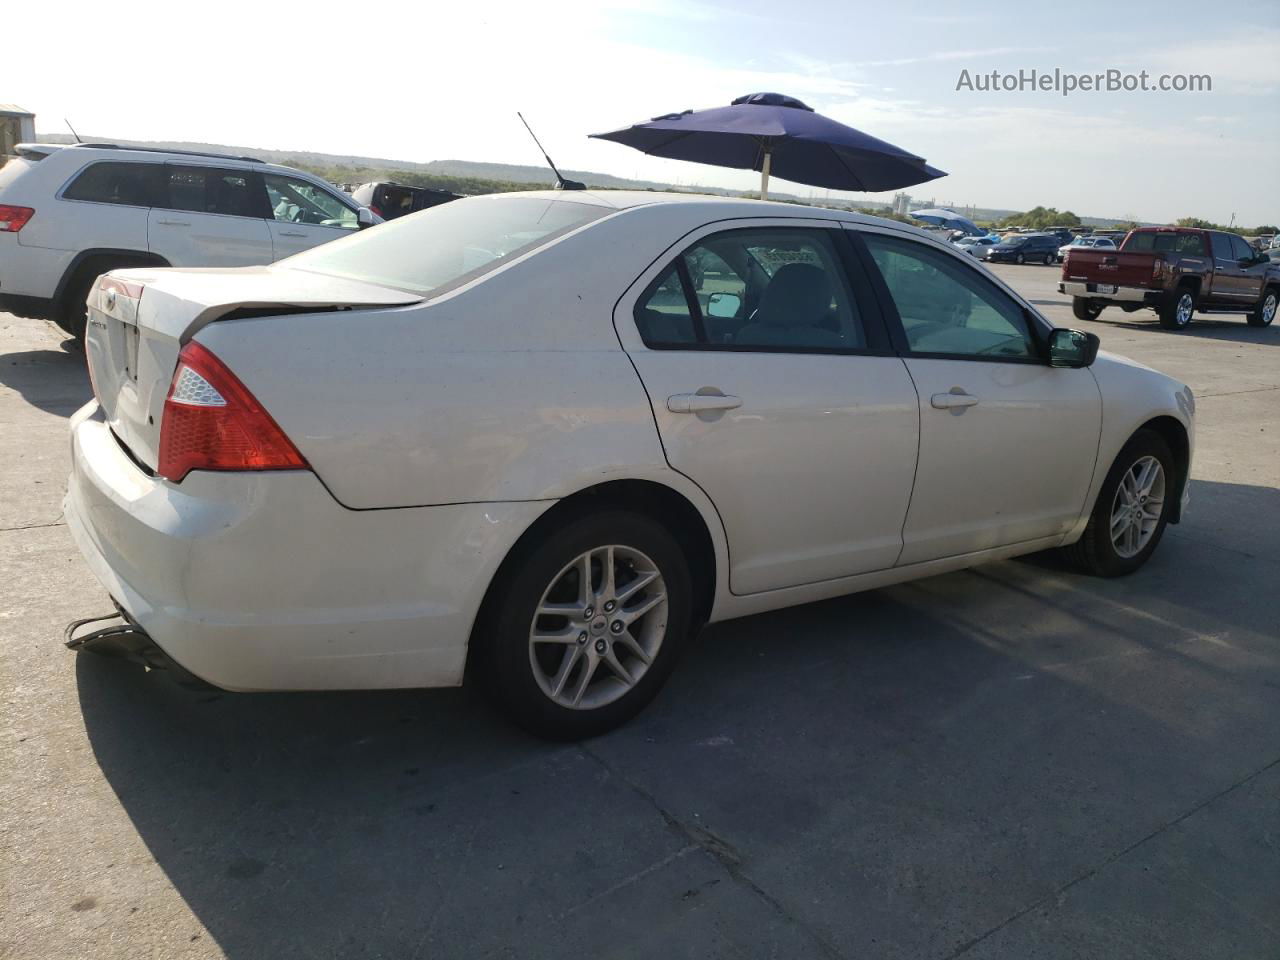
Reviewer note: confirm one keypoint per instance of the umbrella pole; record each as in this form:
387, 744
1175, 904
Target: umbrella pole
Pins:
764, 176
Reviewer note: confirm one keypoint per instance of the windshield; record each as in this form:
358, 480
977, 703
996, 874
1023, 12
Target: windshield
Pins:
447, 245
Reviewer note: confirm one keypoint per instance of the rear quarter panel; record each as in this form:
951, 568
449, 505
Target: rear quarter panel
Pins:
512, 388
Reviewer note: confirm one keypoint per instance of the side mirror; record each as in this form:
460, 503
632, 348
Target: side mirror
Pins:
364, 218
1072, 348
723, 305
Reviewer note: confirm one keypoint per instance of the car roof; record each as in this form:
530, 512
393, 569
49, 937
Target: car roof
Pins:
726, 207
117, 151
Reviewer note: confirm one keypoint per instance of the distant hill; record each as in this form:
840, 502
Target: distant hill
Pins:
473, 176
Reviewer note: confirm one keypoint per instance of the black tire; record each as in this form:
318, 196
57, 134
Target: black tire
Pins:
1048, 259
500, 645
72, 314
1019, 259
1265, 311
1094, 552
1085, 309
1175, 312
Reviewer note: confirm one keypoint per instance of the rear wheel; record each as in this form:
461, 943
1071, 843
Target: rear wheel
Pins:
583, 630
1048, 259
71, 313
1085, 309
1176, 311
1265, 311
1020, 259
1131, 511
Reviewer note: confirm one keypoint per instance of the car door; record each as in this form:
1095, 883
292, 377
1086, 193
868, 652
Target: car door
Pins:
1227, 288
1250, 271
1007, 443
304, 215
774, 388
211, 217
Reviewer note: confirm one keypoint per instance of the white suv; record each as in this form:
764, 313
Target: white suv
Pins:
68, 214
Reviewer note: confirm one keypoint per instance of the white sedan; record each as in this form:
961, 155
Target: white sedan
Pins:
543, 438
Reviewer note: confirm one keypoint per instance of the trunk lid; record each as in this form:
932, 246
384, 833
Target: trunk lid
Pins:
139, 319
1111, 267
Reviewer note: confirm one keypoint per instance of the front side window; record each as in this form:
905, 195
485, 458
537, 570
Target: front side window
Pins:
754, 289
232, 193
128, 184
1221, 246
946, 306
297, 201
1240, 249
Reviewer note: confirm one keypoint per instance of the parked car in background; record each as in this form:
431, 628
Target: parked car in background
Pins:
390, 200
443, 447
1086, 243
1025, 248
1174, 271
1064, 234
976, 245
70, 213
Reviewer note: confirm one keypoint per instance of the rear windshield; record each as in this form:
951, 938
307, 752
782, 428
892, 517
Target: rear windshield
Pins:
1167, 242
447, 245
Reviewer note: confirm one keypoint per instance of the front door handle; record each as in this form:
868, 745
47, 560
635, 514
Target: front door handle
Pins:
292, 233
952, 401
175, 223
701, 402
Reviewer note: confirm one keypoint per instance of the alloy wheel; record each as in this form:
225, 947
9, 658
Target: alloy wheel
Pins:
1268, 309
598, 627
1185, 306
1137, 507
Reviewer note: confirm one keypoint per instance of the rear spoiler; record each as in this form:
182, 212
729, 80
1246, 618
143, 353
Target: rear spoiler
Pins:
35, 151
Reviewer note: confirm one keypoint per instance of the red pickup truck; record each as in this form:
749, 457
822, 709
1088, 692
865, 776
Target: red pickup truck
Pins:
1175, 271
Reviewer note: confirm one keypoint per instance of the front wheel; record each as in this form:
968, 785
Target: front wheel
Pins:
1131, 511
585, 627
1265, 311
1085, 309
1176, 311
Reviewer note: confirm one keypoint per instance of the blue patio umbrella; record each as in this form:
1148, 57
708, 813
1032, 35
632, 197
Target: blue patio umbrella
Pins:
942, 217
777, 134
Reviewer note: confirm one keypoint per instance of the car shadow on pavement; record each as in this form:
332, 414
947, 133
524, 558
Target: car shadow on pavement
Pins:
53, 380
1237, 330
910, 767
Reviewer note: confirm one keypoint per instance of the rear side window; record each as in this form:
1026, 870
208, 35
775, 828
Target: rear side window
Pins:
128, 184
233, 193
761, 290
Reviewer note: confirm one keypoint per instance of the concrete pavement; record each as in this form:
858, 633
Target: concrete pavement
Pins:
1009, 762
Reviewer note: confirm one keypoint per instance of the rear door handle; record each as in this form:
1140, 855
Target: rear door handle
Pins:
175, 223
700, 402
951, 401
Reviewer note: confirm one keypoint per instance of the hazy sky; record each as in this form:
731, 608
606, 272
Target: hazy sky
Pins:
430, 81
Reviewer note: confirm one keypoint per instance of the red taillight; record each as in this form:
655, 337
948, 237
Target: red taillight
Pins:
212, 422
13, 219
1157, 269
